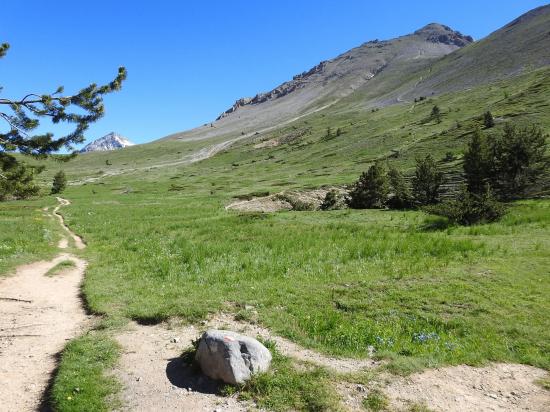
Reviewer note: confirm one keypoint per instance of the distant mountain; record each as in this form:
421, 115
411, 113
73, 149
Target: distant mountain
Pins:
111, 141
518, 47
433, 60
334, 79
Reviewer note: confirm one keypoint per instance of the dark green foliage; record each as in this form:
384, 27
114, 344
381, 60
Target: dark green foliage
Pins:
426, 181
517, 160
488, 120
470, 208
339, 132
22, 116
371, 190
476, 163
449, 157
16, 179
59, 182
333, 200
401, 195
436, 114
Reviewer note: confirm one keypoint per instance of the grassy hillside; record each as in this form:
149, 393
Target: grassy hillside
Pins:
26, 233
298, 155
518, 47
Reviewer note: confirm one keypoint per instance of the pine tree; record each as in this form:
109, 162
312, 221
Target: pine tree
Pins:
23, 115
517, 160
436, 114
488, 120
59, 182
371, 190
402, 198
16, 179
476, 163
427, 181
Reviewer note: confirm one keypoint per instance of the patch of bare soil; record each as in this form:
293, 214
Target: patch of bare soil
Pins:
39, 314
267, 204
498, 387
154, 378
288, 200
78, 242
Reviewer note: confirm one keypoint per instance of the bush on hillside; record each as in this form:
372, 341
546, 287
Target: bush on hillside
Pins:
488, 120
516, 160
59, 182
427, 181
16, 179
371, 190
333, 200
476, 163
469, 208
436, 114
400, 197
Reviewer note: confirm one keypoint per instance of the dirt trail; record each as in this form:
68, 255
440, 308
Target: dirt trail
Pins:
505, 387
38, 315
154, 377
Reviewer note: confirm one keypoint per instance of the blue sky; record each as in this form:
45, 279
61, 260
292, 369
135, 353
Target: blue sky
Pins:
188, 61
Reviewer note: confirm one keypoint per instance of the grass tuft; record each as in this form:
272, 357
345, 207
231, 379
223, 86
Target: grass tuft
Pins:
61, 267
81, 384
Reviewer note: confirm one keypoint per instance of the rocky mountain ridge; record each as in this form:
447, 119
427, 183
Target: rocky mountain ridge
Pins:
432, 33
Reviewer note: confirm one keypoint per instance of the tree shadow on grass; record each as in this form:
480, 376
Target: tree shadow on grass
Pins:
435, 224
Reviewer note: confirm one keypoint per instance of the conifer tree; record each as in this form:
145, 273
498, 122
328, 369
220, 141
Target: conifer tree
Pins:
371, 190
476, 163
488, 120
22, 117
427, 181
59, 182
401, 195
436, 114
517, 160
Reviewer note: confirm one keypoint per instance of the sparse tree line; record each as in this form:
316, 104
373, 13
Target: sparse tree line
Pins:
496, 169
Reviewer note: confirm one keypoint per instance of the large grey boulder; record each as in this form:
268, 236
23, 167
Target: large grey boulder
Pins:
231, 357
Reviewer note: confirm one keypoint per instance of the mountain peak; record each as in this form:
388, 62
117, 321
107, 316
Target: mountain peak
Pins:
111, 141
439, 33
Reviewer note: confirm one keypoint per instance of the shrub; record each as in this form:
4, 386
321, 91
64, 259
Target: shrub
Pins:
436, 114
427, 181
371, 190
16, 179
476, 163
516, 160
333, 200
59, 182
401, 197
488, 120
470, 208
449, 157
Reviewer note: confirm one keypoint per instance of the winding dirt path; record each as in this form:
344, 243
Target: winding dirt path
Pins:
38, 315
